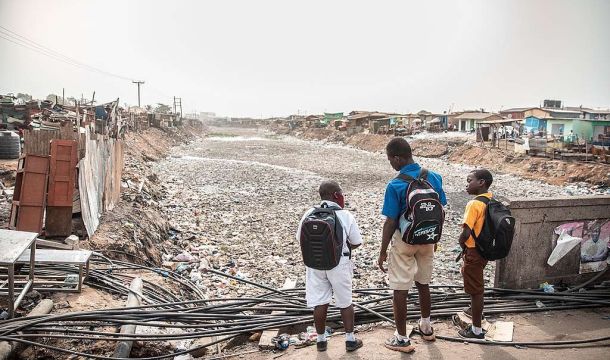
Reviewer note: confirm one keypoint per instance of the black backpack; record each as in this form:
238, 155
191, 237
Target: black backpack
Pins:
322, 238
496, 236
424, 213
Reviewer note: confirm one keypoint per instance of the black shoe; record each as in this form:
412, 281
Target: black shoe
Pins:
353, 345
322, 345
468, 334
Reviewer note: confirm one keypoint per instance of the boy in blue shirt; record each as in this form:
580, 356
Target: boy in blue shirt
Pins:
407, 263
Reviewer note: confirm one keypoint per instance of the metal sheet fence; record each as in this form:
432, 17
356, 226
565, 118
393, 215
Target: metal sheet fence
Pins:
99, 177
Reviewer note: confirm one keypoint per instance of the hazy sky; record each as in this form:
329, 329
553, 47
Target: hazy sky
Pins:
263, 58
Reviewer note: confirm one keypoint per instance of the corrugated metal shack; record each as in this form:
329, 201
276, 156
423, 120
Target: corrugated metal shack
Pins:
98, 131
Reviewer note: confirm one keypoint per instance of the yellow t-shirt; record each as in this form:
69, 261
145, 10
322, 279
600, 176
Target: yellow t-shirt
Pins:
474, 216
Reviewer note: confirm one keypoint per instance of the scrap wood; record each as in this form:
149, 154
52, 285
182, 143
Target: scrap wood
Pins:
265, 342
502, 331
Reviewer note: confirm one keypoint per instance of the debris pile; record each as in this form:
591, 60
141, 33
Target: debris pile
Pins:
235, 203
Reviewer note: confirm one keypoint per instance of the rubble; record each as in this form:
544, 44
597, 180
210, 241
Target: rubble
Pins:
235, 202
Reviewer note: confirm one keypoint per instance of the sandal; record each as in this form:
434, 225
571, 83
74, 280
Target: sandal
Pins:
427, 337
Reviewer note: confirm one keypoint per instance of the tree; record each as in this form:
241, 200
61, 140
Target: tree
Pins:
148, 107
54, 98
162, 109
24, 97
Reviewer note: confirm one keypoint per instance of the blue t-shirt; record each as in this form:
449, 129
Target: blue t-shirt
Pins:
395, 200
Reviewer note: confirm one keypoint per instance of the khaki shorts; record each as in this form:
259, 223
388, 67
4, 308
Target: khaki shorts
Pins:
408, 263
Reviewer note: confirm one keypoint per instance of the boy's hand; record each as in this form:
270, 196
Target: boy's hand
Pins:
383, 256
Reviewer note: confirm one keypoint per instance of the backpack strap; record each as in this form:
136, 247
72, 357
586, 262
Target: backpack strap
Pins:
484, 199
338, 222
423, 174
405, 177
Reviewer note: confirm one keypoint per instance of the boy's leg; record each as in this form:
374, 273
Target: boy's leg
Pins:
319, 318
425, 258
425, 303
318, 293
341, 279
402, 268
399, 303
476, 304
474, 285
347, 316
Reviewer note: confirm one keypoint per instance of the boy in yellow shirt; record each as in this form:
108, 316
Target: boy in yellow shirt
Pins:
478, 183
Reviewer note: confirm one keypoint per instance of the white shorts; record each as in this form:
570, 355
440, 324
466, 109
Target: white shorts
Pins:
320, 285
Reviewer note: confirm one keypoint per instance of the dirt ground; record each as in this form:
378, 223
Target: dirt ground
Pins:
552, 326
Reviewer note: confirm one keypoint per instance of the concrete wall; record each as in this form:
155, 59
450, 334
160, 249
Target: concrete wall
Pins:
526, 266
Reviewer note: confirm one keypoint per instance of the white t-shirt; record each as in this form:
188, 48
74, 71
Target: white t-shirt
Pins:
350, 228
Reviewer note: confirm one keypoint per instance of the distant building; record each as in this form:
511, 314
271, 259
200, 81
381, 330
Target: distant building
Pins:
587, 124
468, 120
515, 113
361, 119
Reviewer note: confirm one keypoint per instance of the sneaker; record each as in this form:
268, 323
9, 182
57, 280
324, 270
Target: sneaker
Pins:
399, 345
353, 345
468, 334
322, 345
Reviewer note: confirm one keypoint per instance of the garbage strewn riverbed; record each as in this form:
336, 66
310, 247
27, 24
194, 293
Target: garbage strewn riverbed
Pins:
234, 205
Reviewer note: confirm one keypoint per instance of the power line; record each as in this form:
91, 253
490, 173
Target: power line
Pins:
23, 41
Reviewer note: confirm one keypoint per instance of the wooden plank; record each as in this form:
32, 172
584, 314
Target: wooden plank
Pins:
265, 340
58, 221
13, 244
30, 194
52, 244
63, 172
62, 177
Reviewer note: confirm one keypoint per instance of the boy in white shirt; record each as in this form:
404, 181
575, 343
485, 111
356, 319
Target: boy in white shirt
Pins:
321, 284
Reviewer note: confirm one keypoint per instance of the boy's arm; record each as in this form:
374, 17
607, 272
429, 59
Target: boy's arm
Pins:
391, 211
298, 234
354, 238
389, 226
471, 214
464, 236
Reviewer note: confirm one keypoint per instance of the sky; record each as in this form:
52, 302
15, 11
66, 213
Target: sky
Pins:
275, 58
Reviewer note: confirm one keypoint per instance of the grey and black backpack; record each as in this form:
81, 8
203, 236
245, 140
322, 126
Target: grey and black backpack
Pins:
322, 238
424, 214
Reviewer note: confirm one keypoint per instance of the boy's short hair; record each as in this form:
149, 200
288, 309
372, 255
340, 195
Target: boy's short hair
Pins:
399, 147
328, 188
483, 174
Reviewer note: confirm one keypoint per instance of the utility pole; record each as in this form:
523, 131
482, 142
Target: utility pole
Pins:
178, 103
139, 82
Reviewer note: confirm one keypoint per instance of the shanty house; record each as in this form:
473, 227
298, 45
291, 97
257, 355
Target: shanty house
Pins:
468, 120
362, 118
589, 124
515, 113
